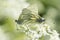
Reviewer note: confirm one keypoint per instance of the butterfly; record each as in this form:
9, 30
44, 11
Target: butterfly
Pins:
27, 15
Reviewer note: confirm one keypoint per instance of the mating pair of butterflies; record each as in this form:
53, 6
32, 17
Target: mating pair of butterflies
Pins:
27, 15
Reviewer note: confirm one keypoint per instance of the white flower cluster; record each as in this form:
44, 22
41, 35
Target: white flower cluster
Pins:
36, 31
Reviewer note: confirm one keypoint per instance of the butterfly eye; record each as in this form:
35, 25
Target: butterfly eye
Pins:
41, 20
